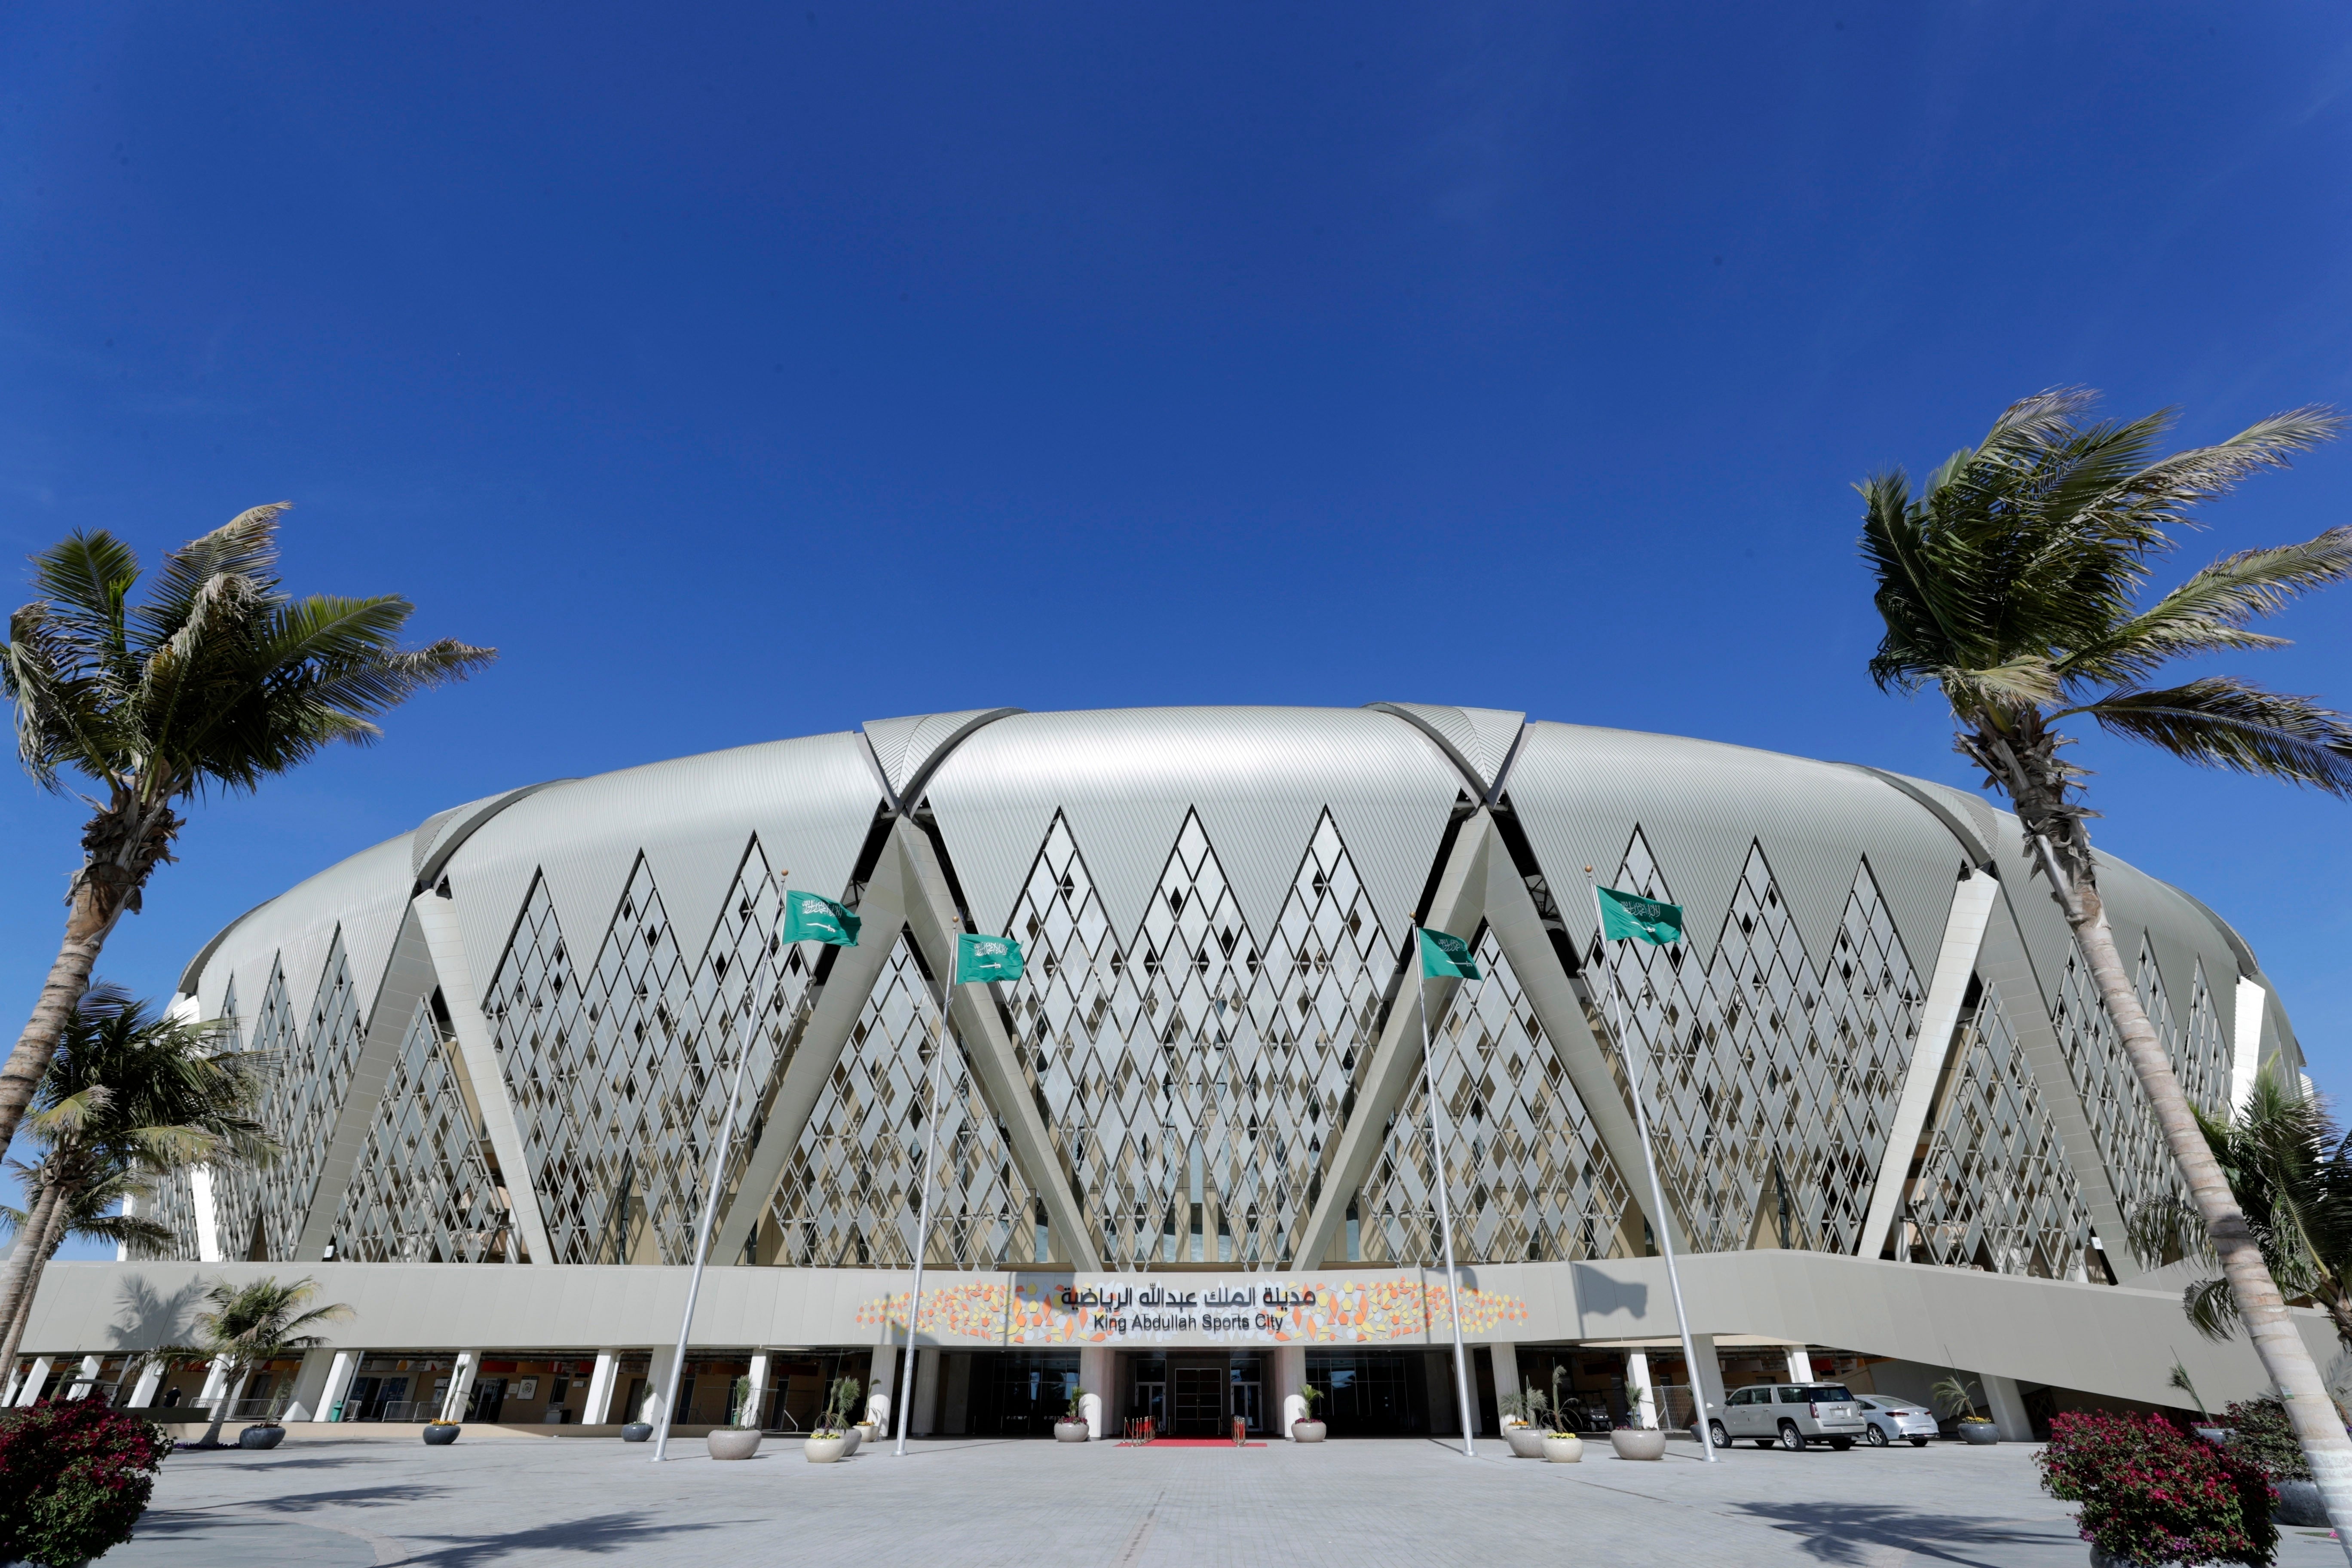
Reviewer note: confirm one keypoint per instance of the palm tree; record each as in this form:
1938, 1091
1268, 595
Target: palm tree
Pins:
2013, 585
97, 1212
128, 1094
248, 1326
218, 681
2290, 1171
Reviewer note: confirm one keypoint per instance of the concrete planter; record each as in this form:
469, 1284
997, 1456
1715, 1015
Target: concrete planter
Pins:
638, 1432
1525, 1442
1567, 1449
849, 1442
1983, 1434
1069, 1431
868, 1433
734, 1442
1639, 1443
261, 1436
441, 1436
2299, 1504
1308, 1431
825, 1450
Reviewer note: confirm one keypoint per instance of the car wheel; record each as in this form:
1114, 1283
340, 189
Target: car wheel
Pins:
1790, 1439
1841, 1444
1717, 1435
1875, 1436
1918, 1442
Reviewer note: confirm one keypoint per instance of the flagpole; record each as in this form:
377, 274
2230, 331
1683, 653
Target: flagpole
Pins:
1631, 1049
1445, 1210
923, 1212
701, 1251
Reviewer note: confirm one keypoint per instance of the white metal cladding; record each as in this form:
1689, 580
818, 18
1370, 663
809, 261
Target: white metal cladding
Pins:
1579, 793
1260, 778
808, 802
906, 748
1479, 739
364, 897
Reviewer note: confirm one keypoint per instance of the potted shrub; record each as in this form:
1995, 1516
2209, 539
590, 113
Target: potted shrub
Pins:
641, 1429
1307, 1429
2260, 1434
739, 1439
75, 1476
1631, 1442
1956, 1396
1072, 1427
262, 1434
833, 1439
1523, 1422
440, 1433
2152, 1495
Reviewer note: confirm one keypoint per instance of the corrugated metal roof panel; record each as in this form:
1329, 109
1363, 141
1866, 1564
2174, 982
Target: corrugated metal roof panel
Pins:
1580, 792
1479, 739
907, 747
1260, 778
809, 802
364, 894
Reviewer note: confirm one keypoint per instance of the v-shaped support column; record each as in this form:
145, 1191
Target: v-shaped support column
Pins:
932, 923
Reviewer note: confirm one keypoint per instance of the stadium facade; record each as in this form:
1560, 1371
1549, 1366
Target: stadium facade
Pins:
1184, 1162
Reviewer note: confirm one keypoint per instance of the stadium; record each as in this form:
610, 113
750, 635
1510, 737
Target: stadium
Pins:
1184, 1162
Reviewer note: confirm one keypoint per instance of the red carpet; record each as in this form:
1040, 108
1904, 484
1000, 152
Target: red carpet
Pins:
1190, 1443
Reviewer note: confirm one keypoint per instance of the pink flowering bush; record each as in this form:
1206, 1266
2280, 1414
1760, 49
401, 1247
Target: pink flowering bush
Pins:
74, 1478
2151, 1495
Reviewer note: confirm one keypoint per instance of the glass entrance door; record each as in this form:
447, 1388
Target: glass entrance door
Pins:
1200, 1400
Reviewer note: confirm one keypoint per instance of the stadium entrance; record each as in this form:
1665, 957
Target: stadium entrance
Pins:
1194, 1394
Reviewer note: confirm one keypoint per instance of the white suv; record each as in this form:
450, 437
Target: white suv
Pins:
1790, 1413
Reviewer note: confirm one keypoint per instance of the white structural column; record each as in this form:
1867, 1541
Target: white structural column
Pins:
215, 1384
437, 918
142, 1393
1939, 1017
307, 1400
1505, 1359
2008, 1408
757, 1395
1094, 1370
597, 1408
1290, 1385
1707, 1381
879, 1379
927, 1392
200, 1188
337, 1386
1801, 1364
86, 1379
2246, 1057
1637, 1385
35, 1378
461, 1385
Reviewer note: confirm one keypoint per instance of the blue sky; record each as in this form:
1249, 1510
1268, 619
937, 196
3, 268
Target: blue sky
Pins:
745, 374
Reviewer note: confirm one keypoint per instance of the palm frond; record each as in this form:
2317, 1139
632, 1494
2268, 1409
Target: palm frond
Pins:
2211, 1311
238, 558
2209, 612
2223, 722
87, 577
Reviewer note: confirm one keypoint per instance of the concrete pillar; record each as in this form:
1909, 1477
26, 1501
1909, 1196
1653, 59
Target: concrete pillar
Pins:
210, 1395
341, 1371
1637, 1385
461, 1385
1095, 1377
1801, 1364
756, 1396
35, 1376
1290, 1384
309, 1396
596, 1409
150, 1375
927, 1391
86, 1379
2008, 1408
881, 1377
1706, 1379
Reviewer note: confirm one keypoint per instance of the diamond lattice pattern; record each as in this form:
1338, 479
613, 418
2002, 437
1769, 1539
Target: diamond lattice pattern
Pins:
306, 1096
1995, 1190
1526, 1177
2130, 1142
1770, 1085
423, 1191
1193, 1075
850, 1192
619, 1074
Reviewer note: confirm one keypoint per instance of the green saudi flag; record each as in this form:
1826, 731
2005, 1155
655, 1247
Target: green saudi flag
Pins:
1446, 956
1629, 915
985, 958
812, 917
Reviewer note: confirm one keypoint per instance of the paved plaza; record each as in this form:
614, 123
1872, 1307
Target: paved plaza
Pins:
371, 1503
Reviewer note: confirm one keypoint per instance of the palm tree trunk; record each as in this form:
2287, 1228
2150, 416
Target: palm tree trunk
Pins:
122, 843
2318, 1426
16, 1276
22, 1318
